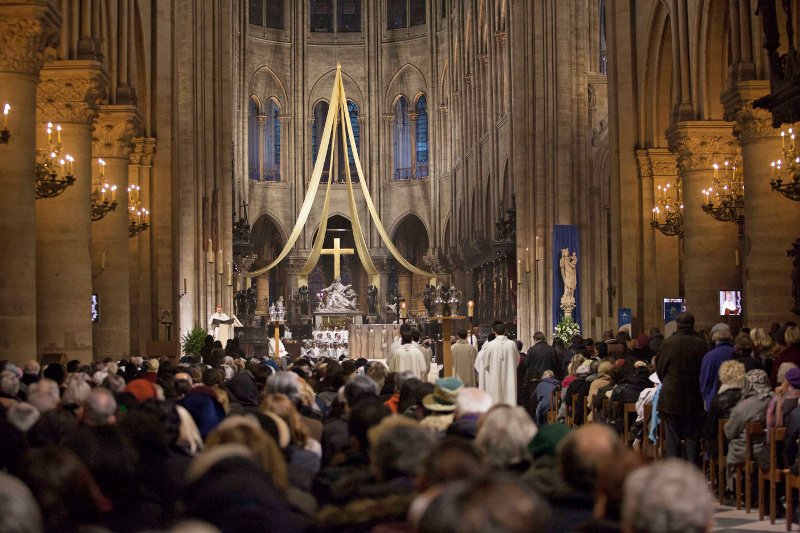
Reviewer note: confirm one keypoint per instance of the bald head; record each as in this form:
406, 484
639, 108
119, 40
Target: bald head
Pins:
582, 451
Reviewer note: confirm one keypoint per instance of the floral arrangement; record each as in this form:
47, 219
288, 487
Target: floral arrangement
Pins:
566, 329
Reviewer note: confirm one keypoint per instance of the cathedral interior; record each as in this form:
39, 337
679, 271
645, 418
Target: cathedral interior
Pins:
492, 134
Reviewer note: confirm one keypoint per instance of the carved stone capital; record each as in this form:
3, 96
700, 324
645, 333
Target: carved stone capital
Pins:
114, 130
753, 123
656, 163
26, 30
70, 91
644, 165
144, 149
698, 145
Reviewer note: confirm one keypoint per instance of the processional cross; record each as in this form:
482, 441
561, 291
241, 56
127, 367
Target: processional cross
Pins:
337, 252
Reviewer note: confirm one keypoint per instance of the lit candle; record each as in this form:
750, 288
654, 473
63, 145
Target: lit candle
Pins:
519, 271
58, 132
113, 193
470, 309
403, 310
654, 214
536, 253
61, 162
220, 265
50, 133
527, 259
102, 167
6, 109
210, 252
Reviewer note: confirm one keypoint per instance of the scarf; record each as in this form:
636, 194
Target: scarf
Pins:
775, 408
756, 383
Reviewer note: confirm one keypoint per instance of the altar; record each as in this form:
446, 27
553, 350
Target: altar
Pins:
371, 341
338, 319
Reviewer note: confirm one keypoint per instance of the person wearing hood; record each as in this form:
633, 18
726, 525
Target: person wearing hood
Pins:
243, 391
722, 351
603, 379
544, 394
751, 408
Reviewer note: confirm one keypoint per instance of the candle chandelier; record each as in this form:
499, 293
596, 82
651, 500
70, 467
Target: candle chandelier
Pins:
104, 196
137, 215
5, 135
668, 214
791, 163
53, 172
724, 200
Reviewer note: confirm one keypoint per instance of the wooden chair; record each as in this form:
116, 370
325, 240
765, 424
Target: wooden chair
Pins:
627, 410
606, 408
573, 402
647, 447
772, 475
754, 431
552, 413
722, 459
792, 482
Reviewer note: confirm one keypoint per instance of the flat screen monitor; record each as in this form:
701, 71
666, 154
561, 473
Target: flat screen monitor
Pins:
730, 303
95, 308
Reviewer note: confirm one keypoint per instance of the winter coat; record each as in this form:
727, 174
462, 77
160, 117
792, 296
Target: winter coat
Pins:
678, 367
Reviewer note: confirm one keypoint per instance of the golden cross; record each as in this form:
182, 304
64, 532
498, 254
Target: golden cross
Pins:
337, 252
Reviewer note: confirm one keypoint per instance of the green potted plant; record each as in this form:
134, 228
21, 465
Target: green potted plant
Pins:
192, 342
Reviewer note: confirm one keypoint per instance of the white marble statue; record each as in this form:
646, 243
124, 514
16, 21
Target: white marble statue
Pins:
568, 264
339, 297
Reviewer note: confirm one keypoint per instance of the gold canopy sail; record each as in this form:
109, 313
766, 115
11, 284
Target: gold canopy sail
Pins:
337, 116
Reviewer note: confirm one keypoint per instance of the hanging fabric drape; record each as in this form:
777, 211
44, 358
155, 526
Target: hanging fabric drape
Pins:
338, 117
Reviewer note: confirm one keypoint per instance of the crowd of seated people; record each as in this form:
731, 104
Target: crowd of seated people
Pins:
231, 443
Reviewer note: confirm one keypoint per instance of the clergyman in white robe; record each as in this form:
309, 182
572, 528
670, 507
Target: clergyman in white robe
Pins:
497, 370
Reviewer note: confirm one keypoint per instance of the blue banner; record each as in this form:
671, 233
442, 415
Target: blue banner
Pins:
672, 307
625, 319
565, 236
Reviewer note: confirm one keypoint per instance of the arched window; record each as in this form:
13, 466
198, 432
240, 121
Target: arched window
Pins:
256, 12
352, 111
422, 137
274, 14
267, 13
402, 140
321, 16
272, 142
317, 129
342, 16
405, 13
252, 140
348, 16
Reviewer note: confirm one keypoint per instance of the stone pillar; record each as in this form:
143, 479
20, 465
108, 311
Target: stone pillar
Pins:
772, 223
68, 93
26, 28
657, 166
115, 127
709, 246
143, 318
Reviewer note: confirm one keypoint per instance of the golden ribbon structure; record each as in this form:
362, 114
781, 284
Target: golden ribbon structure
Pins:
337, 115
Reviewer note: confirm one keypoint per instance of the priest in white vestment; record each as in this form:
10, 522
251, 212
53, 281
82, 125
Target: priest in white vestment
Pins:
497, 366
222, 329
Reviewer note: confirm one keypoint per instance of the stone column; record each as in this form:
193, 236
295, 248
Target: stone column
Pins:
115, 127
709, 246
26, 28
661, 279
772, 223
68, 93
143, 317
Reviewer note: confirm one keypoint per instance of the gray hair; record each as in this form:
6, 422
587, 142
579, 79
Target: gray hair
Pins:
44, 395
32, 367
285, 383
19, 512
76, 392
670, 496
472, 400
402, 450
9, 383
99, 407
22, 416
720, 332
114, 383
504, 433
